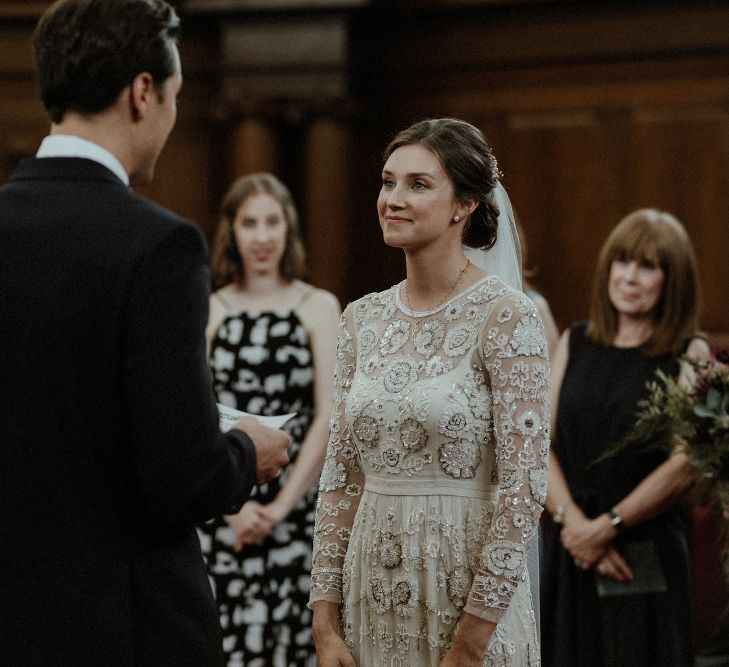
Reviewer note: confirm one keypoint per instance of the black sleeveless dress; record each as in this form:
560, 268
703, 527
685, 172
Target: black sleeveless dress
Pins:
262, 364
597, 406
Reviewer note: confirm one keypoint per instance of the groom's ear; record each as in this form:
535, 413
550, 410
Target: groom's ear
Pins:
142, 92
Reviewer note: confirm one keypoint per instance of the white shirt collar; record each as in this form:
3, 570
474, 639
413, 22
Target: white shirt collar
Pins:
66, 145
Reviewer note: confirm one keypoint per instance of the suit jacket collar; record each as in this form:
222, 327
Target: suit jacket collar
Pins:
70, 145
64, 168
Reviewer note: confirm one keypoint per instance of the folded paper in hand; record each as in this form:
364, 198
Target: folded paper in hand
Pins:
228, 417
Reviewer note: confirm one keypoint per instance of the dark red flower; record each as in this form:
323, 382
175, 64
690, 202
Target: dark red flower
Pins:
722, 356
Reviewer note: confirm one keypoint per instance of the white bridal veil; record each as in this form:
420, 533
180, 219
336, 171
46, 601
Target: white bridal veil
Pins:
504, 260
504, 257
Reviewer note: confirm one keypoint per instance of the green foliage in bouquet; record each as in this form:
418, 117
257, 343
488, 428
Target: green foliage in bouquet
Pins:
695, 418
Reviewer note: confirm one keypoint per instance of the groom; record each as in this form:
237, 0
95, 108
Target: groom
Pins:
110, 450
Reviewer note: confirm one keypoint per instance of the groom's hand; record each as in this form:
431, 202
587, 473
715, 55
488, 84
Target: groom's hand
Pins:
270, 444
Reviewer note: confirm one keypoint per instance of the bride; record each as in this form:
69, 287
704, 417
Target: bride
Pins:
436, 468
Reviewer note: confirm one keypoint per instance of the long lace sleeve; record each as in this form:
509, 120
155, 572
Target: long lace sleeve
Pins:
342, 480
513, 353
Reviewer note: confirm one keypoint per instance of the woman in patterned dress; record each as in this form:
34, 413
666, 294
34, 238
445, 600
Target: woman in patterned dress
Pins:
435, 472
271, 345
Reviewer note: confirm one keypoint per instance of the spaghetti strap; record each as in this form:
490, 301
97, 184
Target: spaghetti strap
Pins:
223, 302
307, 293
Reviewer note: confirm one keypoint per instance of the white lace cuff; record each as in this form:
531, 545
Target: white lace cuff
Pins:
326, 584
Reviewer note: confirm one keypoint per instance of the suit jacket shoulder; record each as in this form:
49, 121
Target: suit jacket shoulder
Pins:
109, 443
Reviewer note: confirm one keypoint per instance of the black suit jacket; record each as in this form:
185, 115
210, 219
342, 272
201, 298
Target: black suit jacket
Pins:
109, 443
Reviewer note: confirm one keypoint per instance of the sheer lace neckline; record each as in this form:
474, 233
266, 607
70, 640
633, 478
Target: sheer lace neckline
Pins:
425, 313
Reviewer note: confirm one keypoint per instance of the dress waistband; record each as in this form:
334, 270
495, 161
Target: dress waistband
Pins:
422, 487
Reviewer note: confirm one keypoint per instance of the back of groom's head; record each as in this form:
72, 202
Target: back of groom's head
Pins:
88, 51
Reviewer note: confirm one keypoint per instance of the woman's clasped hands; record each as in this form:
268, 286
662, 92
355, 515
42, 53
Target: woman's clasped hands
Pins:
589, 542
251, 524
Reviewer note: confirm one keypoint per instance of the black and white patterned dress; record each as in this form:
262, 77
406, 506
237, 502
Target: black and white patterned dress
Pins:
262, 364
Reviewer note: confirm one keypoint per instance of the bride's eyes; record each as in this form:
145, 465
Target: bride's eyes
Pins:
417, 185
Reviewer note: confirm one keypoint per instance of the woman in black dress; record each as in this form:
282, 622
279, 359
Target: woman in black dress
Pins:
615, 580
272, 340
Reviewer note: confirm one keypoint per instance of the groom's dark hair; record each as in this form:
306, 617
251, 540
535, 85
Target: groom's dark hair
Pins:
88, 51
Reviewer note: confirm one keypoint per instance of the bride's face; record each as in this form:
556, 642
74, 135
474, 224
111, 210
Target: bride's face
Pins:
416, 204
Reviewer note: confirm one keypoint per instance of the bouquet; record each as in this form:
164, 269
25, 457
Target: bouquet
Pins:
695, 417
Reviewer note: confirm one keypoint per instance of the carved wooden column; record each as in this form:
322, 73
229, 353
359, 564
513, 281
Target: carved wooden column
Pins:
255, 148
326, 187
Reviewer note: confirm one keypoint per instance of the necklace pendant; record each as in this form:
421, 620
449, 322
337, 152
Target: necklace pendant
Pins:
414, 331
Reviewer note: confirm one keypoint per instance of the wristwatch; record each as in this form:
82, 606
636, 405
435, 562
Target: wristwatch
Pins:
616, 521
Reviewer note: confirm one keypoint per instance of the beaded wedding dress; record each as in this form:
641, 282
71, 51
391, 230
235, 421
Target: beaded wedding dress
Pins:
435, 475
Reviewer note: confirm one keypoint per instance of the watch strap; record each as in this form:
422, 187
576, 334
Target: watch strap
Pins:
616, 520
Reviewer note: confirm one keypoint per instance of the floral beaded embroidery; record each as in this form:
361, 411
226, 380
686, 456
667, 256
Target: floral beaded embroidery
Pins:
438, 444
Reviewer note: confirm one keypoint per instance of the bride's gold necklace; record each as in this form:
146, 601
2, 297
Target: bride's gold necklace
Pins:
459, 280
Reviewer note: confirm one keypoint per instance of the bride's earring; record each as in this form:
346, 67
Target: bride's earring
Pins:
456, 218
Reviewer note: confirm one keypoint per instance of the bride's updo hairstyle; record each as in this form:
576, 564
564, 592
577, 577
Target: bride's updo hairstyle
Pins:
471, 166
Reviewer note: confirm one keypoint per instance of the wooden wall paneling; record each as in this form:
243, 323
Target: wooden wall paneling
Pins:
557, 177
581, 32
680, 163
495, 127
373, 266
23, 9
23, 120
327, 184
17, 142
185, 175
21, 106
255, 148
192, 169
16, 51
457, 54
283, 59
609, 87
223, 6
